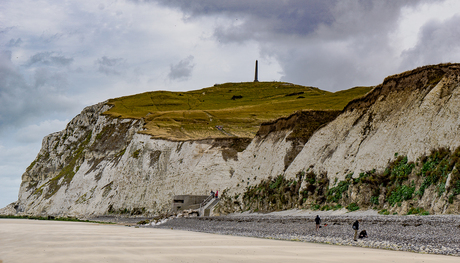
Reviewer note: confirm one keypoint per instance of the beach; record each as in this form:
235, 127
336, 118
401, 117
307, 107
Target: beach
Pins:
24, 240
437, 234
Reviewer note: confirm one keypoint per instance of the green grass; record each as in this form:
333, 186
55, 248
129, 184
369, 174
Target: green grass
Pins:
195, 114
400, 193
417, 211
384, 212
334, 194
352, 207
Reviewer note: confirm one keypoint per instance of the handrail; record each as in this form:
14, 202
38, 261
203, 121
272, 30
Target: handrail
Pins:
208, 205
209, 198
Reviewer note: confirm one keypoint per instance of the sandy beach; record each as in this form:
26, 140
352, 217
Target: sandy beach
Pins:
52, 241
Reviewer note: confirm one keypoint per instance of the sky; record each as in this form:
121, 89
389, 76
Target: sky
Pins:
57, 57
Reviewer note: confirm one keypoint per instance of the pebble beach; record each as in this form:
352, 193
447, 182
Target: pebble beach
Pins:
420, 234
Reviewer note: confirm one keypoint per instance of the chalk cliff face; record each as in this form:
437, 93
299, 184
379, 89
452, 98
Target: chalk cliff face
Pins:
101, 165
408, 114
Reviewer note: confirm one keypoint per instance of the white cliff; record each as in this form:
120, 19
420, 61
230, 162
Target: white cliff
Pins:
109, 167
402, 118
100, 165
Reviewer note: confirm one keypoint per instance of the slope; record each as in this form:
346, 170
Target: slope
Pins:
225, 110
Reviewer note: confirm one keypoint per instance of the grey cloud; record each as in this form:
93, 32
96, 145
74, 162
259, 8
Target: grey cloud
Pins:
109, 66
44, 77
325, 68
326, 43
5, 29
438, 42
182, 70
259, 18
51, 38
49, 59
14, 42
110, 62
20, 101
270, 19
352, 51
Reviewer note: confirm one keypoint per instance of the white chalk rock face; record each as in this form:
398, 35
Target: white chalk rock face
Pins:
101, 165
402, 116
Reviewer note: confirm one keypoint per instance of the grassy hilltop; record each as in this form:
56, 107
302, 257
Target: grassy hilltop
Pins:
239, 108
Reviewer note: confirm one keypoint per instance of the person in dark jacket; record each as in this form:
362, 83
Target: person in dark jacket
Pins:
362, 234
318, 222
356, 228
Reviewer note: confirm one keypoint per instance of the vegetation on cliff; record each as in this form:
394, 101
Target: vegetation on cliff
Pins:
402, 188
66, 174
225, 110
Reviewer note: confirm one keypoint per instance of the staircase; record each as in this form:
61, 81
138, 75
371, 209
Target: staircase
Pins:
207, 205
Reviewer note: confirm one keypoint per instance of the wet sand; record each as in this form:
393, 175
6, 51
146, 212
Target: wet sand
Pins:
52, 241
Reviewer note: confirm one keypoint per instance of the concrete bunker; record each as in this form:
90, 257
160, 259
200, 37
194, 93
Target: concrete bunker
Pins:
185, 202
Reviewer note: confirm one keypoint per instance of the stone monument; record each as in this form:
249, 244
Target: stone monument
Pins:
255, 76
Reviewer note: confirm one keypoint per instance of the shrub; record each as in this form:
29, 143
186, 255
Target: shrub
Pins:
384, 212
398, 171
417, 211
352, 207
277, 182
400, 193
375, 200
334, 194
136, 153
273, 194
436, 168
337, 207
310, 178
441, 188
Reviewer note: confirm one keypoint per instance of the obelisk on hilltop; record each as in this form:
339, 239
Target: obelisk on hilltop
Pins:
255, 76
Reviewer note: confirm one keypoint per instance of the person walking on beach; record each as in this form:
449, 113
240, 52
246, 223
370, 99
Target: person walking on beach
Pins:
356, 228
217, 193
318, 222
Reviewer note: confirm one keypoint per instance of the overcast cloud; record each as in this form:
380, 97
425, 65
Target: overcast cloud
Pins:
110, 66
182, 70
57, 57
49, 59
438, 41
